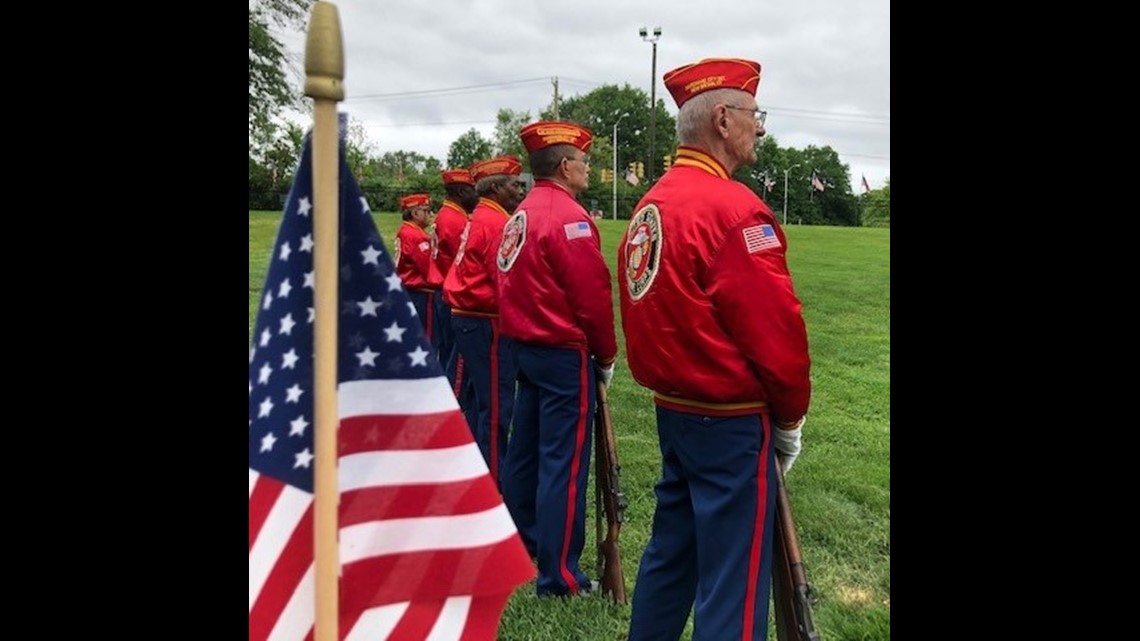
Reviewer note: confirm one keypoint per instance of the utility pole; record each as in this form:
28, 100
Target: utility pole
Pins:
652, 95
554, 80
616, 160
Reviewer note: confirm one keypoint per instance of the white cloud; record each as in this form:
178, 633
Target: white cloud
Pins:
822, 60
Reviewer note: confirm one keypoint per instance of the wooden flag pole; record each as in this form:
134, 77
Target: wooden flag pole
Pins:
324, 76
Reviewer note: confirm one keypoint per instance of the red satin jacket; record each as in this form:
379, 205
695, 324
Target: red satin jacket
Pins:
449, 225
554, 286
470, 286
413, 259
711, 320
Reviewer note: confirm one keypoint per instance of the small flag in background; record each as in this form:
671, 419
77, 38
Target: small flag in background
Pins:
769, 183
631, 177
427, 548
816, 184
866, 187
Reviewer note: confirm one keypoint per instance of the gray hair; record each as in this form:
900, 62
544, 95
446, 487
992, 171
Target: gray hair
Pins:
694, 116
486, 184
544, 162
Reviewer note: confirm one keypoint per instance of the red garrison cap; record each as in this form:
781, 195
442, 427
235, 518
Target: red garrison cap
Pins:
712, 73
508, 165
541, 135
415, 200
457, 176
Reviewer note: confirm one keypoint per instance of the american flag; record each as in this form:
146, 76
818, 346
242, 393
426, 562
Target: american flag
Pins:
631, 177
769, 183
866, 187
759, 238
427, 548
816, 183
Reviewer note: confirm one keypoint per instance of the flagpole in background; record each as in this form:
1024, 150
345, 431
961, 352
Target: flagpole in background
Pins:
324, 75
786, 192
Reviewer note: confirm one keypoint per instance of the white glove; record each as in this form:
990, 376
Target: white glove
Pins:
788, 443
606, 373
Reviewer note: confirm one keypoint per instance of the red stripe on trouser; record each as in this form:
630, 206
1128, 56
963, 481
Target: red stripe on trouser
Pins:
575, 465
430, 310
757, 529
495, 400
458, 375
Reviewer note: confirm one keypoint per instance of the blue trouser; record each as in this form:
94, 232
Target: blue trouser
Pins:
446, 336
548, 462
489, 362
424, 300
452, 362
711, 547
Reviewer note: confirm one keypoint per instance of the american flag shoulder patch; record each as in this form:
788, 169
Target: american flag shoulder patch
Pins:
760, 237
577, 230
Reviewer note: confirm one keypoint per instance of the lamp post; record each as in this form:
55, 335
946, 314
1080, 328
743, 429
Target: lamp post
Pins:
652, 94
786, 192
616, 159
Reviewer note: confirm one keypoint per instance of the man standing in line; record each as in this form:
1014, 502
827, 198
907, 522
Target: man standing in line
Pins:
714, 328
450, 222
556, 304
413, 262
472, 291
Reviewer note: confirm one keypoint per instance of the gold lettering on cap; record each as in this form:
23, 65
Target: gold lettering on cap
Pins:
704, 84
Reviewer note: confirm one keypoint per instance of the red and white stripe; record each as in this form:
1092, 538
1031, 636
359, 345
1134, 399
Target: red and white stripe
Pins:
427, 548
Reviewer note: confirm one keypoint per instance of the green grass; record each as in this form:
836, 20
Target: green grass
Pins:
841, 485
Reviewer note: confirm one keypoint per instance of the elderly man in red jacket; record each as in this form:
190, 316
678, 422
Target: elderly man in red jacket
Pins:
555, 302
414, 265
450, 222
714, 328
472, 291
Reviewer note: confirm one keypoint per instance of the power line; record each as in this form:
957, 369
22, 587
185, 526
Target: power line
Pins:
831, 113
494, 86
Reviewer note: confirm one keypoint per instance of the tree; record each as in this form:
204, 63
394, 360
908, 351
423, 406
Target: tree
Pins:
877, 207
599, 109
507, 140
468, 149
269, 89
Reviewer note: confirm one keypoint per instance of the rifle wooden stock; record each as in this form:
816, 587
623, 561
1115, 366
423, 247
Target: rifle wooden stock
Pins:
791, 592
608, 497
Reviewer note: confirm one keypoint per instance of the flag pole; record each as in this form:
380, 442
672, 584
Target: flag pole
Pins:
324, 75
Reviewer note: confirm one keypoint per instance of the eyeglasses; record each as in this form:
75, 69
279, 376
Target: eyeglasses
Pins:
759, 114
585, 160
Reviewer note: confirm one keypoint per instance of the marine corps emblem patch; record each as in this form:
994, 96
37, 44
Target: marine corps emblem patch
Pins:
643, 250
514, 237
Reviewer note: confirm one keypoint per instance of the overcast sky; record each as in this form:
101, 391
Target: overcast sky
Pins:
825, 79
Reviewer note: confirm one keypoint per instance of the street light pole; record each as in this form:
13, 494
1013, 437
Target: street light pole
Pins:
786, 192
616, 159
652, 96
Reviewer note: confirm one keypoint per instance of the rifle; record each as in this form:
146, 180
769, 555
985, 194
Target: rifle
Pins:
791, 592
608, 495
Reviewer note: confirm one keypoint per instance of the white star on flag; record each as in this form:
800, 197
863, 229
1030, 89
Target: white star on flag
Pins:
370, 255
394, 332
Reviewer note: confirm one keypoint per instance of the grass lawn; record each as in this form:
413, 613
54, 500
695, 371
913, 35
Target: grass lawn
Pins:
841, 484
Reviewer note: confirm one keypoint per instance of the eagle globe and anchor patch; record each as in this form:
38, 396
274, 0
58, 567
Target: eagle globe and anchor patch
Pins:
514, 237
643, 250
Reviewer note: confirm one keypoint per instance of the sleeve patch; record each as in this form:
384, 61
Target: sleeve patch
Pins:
425, 245
577, 230
760, 237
